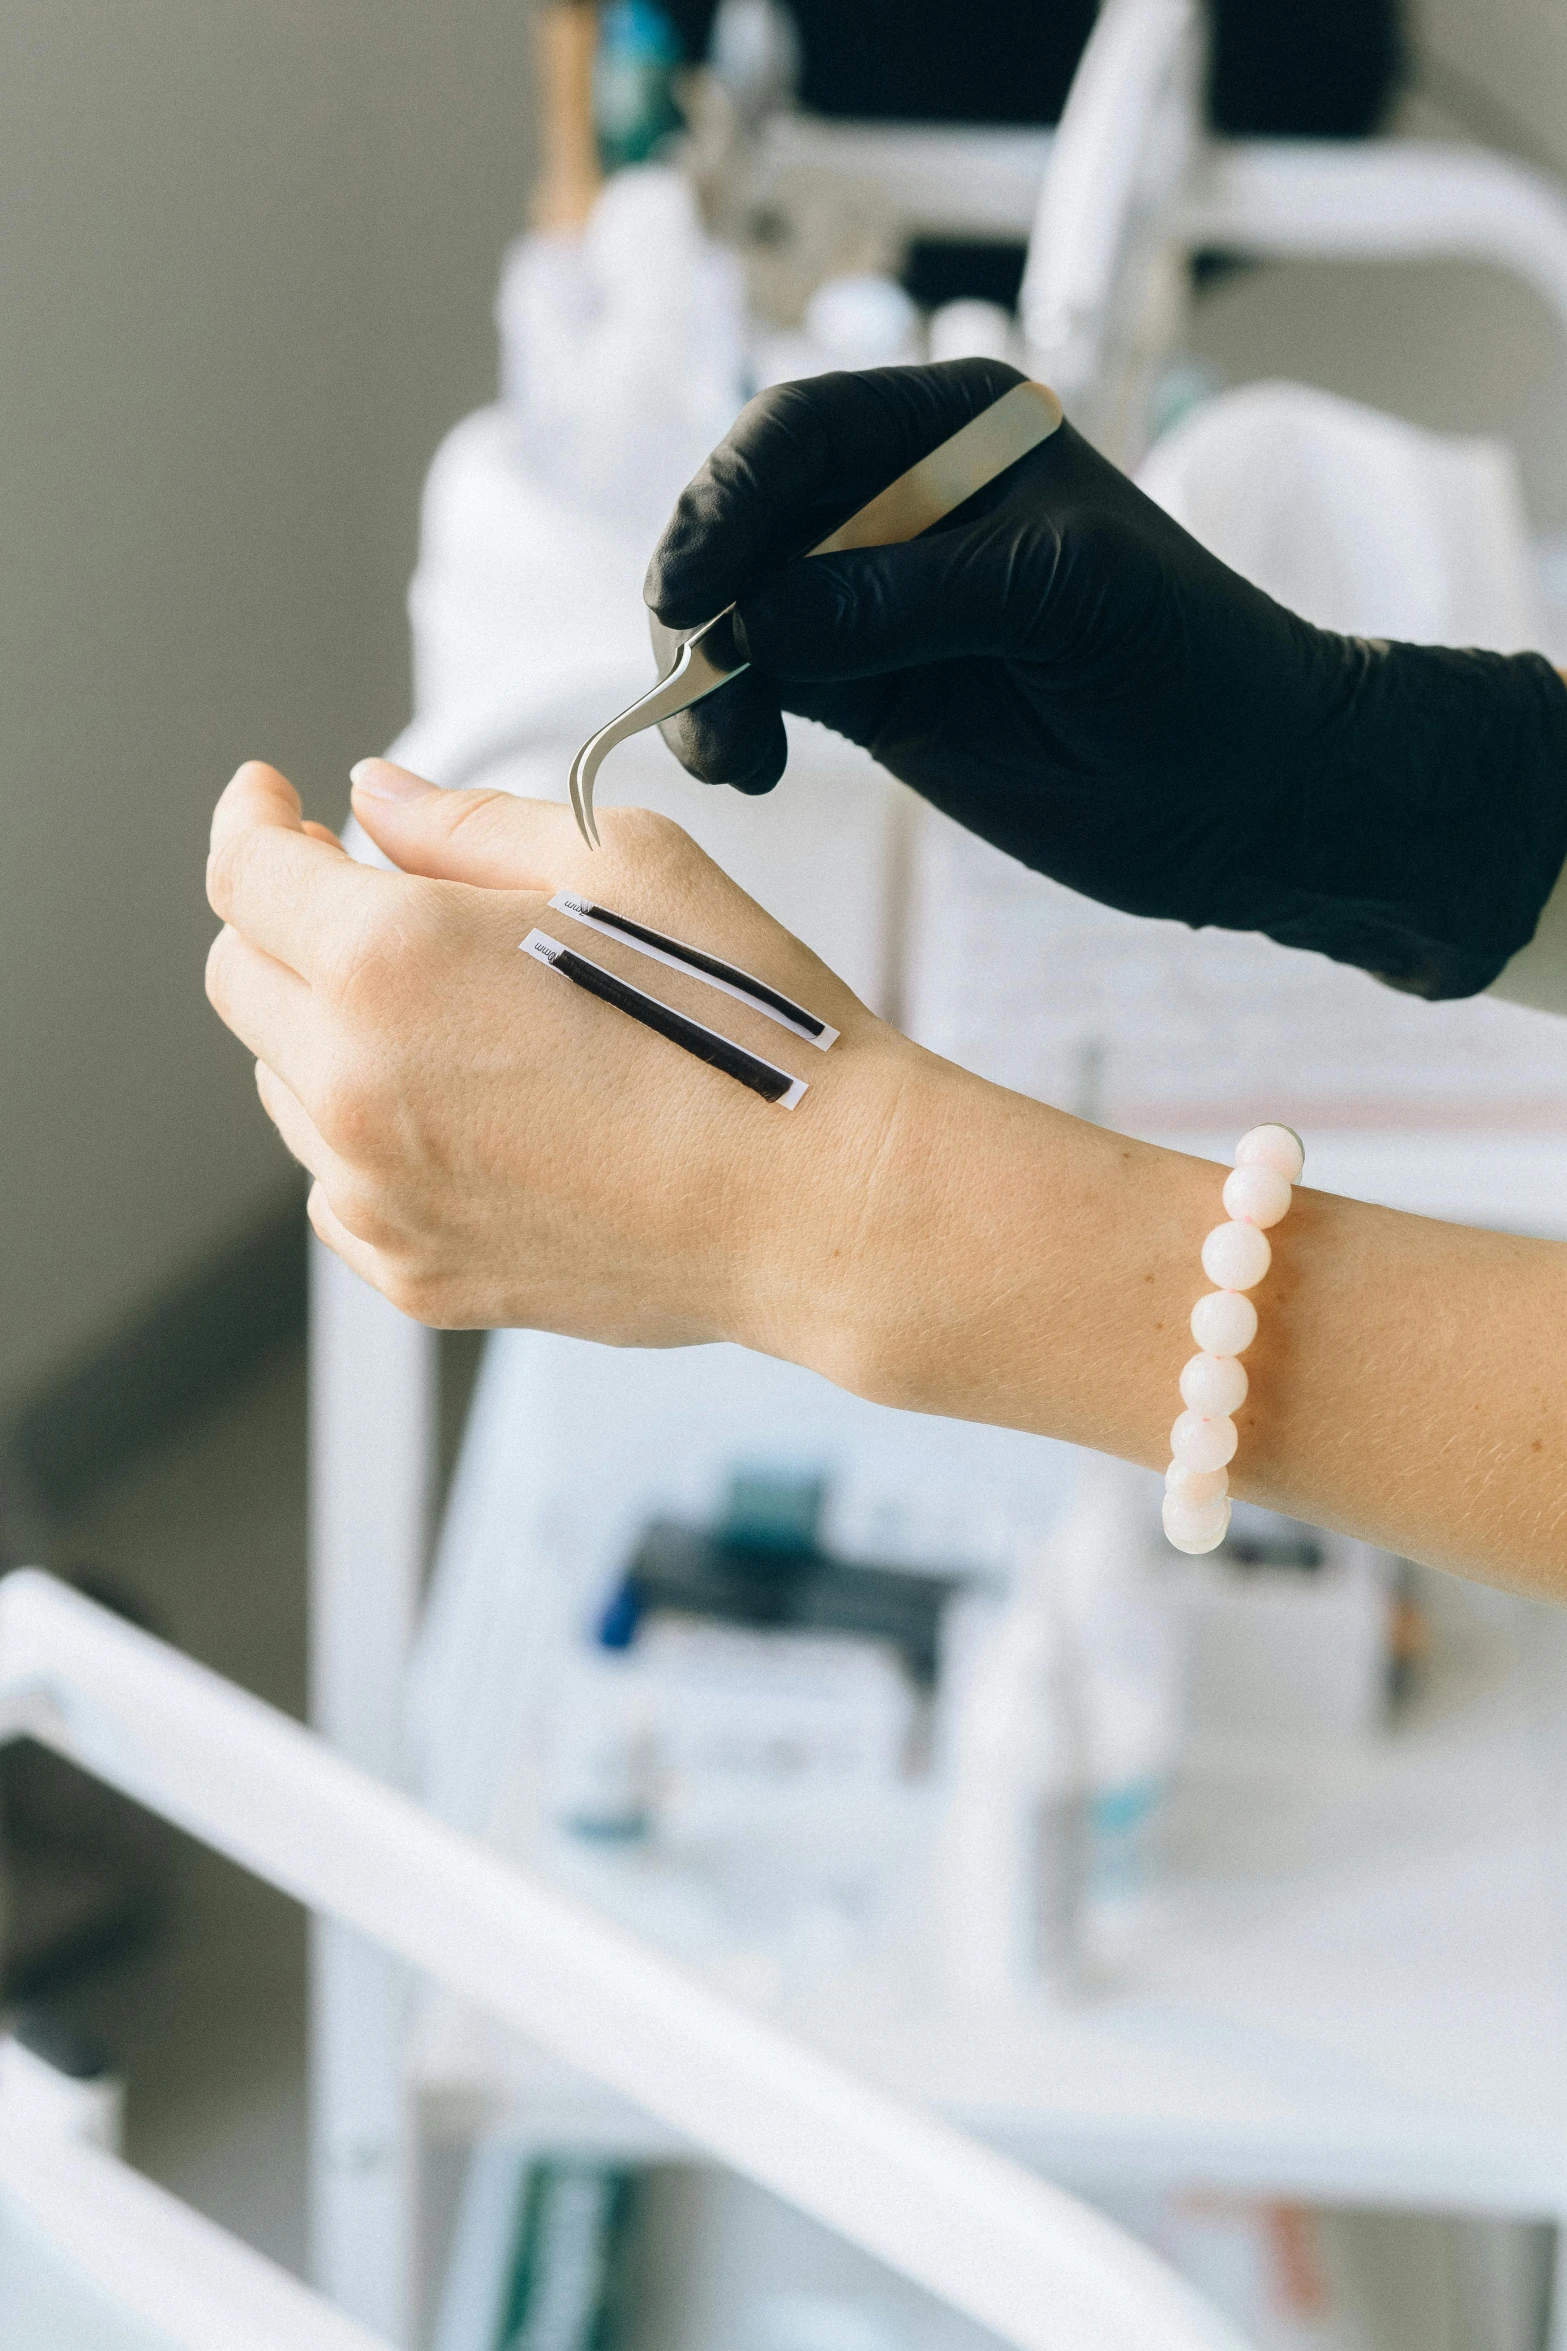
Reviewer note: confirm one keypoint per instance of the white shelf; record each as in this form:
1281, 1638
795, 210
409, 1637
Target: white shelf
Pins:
1358, 1997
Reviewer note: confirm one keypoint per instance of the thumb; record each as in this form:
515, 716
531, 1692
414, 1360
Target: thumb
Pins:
946, 597
490, 839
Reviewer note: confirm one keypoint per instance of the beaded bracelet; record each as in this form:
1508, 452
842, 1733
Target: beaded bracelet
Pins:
1235, 1256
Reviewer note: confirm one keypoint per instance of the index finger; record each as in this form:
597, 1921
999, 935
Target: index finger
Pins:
798, 461
285, 889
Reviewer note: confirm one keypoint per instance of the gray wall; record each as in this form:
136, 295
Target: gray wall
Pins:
248, 257
1514, 52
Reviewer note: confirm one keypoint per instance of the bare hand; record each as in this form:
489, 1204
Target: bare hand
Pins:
489, 1145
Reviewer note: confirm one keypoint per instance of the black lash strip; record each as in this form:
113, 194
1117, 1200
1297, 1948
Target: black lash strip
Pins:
747, 1069
680, 957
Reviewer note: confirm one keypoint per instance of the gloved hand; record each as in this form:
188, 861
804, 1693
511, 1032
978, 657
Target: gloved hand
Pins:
1068, 673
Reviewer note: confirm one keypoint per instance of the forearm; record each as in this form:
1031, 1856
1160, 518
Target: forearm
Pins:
1019, 1266
491, 1147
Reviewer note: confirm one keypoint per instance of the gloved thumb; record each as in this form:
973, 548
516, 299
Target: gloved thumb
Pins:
949, 596
492, 840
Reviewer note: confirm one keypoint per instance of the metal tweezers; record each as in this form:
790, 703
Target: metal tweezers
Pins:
709, 657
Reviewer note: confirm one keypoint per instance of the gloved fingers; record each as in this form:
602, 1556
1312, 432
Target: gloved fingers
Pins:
800, 459
947, 596
720, 741
735, 736
853, 707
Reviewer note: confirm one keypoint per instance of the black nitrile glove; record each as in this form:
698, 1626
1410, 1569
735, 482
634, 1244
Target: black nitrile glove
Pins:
1064, 670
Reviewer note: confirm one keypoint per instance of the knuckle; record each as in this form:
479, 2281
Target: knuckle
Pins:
363, 1210
227, 866
739, 741
354, 1113
483, 812
644, 834
778, 407
367, 959
423, 1295
702, 748
699, 749
214, 977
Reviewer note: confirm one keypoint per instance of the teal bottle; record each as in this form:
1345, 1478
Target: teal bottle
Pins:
634, 108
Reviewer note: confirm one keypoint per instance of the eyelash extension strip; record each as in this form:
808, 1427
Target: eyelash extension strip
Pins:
774, 1085
723, 976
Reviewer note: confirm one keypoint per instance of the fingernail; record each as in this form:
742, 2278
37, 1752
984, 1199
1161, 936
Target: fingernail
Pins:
378, 779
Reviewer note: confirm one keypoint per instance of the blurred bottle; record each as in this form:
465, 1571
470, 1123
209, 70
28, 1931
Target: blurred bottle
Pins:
565, 46
1408, 1636
949, 1525
622, 350
755, 53
971, 329
603, 1753
1266, 2265
634, 109
863, 321
1012, 1840
859, 320
820, 2322
1103, 1566
544, 2253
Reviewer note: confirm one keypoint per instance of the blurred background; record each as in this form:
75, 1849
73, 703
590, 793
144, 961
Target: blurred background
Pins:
355, 355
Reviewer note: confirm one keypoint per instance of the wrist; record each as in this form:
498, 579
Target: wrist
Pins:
1022, 1267
810, 1252
959, 1286
973, 1245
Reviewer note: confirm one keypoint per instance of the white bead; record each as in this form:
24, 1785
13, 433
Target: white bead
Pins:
1196, 1485
1196, 1530
1257, 1195
1236, 1256
1224, 1322
1194, 1517
1201, 1440
1213, 1383
1271, 1146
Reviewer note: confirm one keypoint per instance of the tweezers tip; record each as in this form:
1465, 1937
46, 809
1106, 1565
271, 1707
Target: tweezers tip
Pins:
582, 803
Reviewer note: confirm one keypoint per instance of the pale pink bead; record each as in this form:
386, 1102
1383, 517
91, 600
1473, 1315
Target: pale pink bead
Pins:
1213, 1383
1236, 1256
1196, 1485
1277, 1147
1202, 1440
1257, 1195
1195, 1529
1225, 1322
1193, 1517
